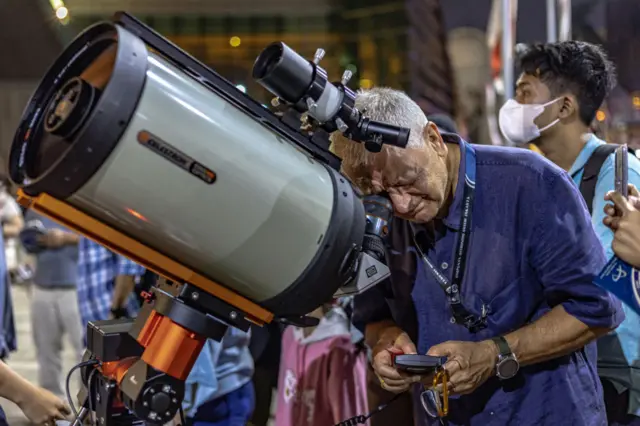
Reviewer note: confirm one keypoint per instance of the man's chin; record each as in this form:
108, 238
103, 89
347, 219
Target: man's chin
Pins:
421, 217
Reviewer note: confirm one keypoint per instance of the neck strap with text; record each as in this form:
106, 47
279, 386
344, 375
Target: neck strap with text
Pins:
452, 287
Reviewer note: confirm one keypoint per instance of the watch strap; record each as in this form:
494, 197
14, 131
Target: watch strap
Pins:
502, 345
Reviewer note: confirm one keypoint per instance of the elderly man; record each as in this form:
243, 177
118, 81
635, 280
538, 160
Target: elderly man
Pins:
493, 257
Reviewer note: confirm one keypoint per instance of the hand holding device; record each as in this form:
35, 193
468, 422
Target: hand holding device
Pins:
622, 170
393, 343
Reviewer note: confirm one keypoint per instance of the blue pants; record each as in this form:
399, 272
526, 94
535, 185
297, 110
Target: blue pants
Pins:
233, 409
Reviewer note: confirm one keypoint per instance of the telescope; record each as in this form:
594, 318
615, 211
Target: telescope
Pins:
133, 143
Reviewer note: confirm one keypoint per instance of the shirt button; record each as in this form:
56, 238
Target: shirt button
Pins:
492, 413
452, 320
444, 265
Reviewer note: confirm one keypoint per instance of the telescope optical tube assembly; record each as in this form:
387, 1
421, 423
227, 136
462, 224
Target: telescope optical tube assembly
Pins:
133, 143
131, 139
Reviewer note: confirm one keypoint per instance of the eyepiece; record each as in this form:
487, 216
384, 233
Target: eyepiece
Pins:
374, 134
283, 72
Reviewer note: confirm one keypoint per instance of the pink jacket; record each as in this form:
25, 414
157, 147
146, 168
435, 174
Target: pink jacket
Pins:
322, 377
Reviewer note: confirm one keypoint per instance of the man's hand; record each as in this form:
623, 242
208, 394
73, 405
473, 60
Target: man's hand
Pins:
53, 238
469, 364
43, 408
624, 219
391, 379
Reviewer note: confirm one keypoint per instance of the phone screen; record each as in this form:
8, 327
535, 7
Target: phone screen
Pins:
622, 171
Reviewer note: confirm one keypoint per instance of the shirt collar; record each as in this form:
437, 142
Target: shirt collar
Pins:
455, 210
584, 155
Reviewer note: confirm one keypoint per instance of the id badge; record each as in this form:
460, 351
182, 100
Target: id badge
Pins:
623, 281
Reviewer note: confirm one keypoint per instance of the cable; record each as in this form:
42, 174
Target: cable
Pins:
68, 383
362, 419
90, 400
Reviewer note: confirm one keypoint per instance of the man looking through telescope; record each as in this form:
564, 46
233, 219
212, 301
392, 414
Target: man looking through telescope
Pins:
523, 309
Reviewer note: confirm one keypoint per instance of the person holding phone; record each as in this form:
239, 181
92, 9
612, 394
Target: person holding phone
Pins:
492, 257
558, 94
623, 218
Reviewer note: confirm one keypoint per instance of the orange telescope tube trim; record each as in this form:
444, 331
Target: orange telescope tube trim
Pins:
114, 240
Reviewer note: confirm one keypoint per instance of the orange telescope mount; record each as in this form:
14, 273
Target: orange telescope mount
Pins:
135, 369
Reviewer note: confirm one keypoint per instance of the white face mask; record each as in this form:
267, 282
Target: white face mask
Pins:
516, 121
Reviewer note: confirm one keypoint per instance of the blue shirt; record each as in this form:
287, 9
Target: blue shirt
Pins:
221, 368
532, 248
98, 268
622, 346
58, 266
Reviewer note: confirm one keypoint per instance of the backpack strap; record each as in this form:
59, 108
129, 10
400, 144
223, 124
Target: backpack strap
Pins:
591, 171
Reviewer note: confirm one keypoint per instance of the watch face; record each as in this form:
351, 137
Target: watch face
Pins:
507, 368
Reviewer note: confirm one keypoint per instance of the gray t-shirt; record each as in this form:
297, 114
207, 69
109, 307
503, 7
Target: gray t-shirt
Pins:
55, 267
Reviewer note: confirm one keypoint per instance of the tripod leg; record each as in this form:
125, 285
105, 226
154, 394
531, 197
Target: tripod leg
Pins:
81, 416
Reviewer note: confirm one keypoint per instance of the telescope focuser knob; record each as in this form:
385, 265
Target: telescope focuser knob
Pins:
341, 125
318, 56
311, 105
346, 77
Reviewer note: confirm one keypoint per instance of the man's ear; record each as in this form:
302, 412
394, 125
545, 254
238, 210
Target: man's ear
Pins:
433, 138
568, 107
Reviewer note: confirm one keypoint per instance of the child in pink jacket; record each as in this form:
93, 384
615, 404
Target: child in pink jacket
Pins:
322, 379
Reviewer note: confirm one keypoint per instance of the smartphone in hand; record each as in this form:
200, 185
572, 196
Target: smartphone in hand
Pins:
622, 171
418, 364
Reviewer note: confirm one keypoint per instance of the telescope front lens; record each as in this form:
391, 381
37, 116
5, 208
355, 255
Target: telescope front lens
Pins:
69, 108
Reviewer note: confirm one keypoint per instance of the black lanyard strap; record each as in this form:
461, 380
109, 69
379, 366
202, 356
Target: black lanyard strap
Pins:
452, 287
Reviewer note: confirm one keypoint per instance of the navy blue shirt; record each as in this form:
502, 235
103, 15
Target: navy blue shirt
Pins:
532, 248
56, 267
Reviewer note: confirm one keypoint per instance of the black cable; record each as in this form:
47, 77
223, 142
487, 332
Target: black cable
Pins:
68, 383
362, 419
89, 398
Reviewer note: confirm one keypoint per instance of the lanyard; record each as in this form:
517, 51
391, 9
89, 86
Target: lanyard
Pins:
452, 287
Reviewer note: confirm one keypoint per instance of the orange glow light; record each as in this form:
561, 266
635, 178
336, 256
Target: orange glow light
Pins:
601, 116
636, 102
137, 215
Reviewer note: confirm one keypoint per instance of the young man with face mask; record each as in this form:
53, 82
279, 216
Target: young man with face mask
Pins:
561, 87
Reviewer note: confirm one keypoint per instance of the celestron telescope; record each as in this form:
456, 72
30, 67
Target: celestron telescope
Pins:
133, 143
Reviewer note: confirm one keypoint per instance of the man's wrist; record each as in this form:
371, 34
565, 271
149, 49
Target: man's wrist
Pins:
389, 334
22, 392
493, 352
70, 239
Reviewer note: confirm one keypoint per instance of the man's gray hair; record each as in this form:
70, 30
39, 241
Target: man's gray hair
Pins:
386, 105
394, 107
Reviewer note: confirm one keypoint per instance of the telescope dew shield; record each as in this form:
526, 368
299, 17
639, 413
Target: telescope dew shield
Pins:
136, 142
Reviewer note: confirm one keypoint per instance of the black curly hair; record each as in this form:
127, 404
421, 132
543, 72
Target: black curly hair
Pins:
580, 68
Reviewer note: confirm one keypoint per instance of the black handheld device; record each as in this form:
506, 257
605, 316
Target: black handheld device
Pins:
418, 364
622, 170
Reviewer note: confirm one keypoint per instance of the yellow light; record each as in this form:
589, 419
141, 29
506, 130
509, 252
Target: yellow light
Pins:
62, 13
56, 4
235, 41
365, 83
636, 101
601, 116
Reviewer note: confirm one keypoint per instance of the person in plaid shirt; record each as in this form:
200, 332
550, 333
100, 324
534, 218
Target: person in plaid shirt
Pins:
106, 283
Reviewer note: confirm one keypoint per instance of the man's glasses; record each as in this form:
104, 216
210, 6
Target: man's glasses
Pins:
434, 401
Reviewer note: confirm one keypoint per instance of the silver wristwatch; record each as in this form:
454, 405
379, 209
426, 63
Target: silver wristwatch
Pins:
507, 366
